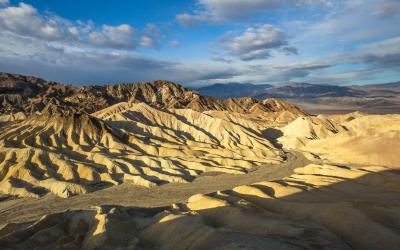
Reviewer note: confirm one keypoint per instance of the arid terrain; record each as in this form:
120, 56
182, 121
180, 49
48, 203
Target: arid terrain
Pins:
319, 98
159, 166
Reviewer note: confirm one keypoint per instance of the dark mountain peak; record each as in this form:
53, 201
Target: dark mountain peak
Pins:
299, 85
232, 84
9, 80
392, 86
235, 90
19, 84
307, 90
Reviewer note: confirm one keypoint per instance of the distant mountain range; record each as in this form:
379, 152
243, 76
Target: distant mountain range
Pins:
318, 98
232, 90
29, 94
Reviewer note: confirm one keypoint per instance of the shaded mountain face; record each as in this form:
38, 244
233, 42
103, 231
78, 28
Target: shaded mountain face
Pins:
30, 95
233, 90
294, 90
18, 84
319, 98
306, 90
379, 90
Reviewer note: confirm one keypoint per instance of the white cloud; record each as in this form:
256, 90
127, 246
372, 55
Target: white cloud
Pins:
349, 77
218, 58
151, 36
353, 39
147, 42
388, 8
74, 51
278, 73
31, 56
73, 31
114, 36
384, 53
256, 42
290, 50
357, 35
216, 11
24, 20
188, 20
175, 44
354, 20
304, 66
4, 2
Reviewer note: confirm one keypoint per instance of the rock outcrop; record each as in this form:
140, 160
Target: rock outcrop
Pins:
29, 95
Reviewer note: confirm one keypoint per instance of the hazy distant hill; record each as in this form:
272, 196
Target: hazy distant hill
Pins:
384, 89
318, 98
233, 90
306, 90
29, 95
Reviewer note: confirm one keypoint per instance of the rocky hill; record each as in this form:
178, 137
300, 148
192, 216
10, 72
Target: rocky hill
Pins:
169, 168
66, 140
30, 95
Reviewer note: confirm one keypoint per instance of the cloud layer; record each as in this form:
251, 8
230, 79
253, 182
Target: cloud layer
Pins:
217, 11
24, 20
82, 52
257, 42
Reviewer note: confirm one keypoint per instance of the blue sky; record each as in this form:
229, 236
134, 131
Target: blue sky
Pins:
202, 41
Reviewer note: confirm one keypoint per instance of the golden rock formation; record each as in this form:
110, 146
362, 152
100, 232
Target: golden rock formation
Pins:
356, 138
71, 154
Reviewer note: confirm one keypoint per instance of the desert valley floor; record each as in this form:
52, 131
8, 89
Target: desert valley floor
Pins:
158, 166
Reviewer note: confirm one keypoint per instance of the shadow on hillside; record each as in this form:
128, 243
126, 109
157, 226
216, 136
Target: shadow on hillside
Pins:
360, 213
273, 135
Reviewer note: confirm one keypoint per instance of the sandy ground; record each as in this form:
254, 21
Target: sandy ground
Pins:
27, 209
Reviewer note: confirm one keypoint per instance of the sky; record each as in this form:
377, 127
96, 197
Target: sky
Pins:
201, 42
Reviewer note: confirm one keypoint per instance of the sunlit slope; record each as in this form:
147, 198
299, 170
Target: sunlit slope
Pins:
359, 139
189, 126
318, 207
72, 154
